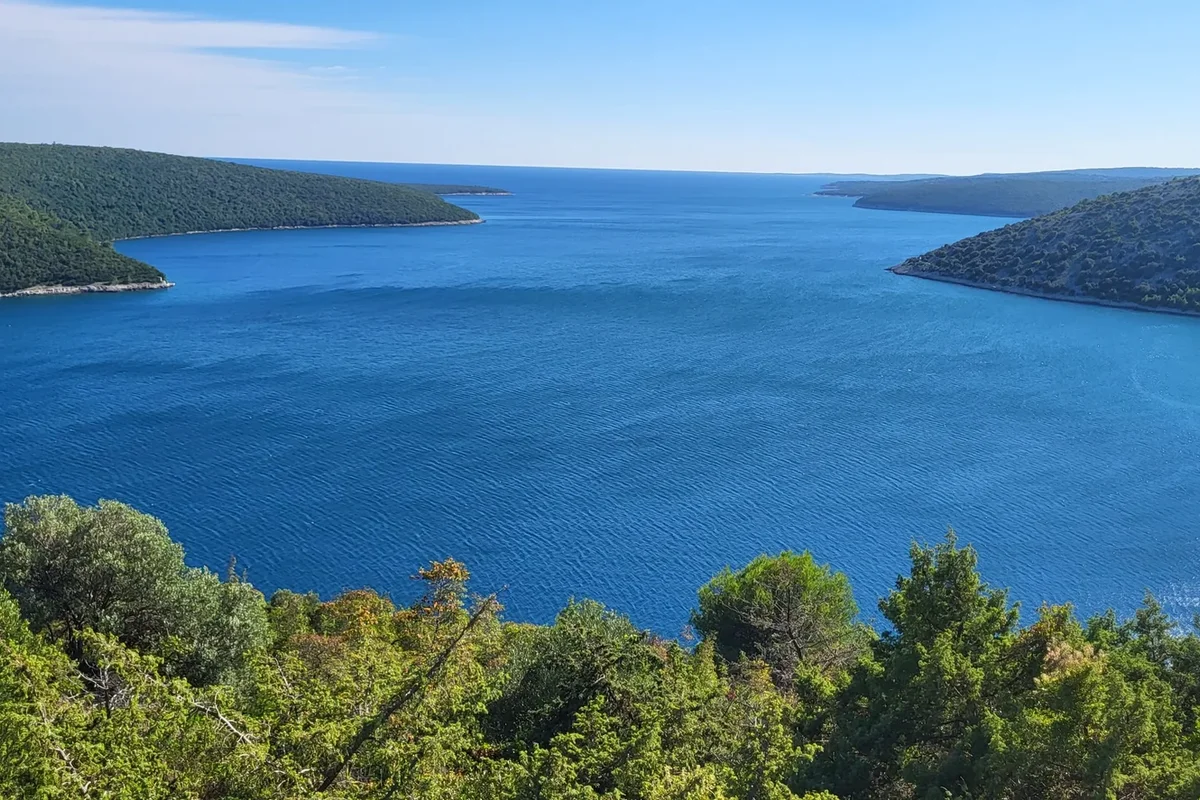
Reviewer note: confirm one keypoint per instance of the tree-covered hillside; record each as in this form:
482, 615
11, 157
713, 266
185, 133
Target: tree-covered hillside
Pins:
999, 195
124, 673
39, 250
104, 194
1140, 248
113, 193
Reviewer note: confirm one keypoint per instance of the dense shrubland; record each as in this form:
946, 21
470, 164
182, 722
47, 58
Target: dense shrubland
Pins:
1138, 247
37, 249
126, 674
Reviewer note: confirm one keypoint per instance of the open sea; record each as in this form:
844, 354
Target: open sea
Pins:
619, 384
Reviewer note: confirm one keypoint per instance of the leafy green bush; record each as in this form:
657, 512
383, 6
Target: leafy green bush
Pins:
113, 570
786, 610
357, 698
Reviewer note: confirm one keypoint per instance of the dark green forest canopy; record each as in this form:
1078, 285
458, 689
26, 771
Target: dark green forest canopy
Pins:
114, 193
1140, 248
124, 673
62, 204
37, 249
1000, 195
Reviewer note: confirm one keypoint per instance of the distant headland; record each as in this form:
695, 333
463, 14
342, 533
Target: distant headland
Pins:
1026, 194
1138, 249
61, 207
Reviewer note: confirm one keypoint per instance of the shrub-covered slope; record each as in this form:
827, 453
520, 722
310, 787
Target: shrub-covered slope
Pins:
1011, 195
1140, 248
113, 193
37, 249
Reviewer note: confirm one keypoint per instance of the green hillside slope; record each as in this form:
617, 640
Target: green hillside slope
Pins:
62, 203
114, 194
1140, 248
1002, 195
38, 250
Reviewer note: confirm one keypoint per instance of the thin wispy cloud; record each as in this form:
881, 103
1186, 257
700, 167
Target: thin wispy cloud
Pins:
171, 81
112, 26
92, 75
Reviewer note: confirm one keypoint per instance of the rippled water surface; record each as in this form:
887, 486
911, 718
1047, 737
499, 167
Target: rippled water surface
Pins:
617, 385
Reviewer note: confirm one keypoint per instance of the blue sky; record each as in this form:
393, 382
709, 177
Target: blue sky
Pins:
849, 86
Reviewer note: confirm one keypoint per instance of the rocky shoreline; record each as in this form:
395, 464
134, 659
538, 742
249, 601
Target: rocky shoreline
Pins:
1062, 298
91, 288
434, 224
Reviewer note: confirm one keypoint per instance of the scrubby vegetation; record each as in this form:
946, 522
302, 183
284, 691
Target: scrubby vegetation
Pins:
1141, 248
107, 193
1002, 195
125, 674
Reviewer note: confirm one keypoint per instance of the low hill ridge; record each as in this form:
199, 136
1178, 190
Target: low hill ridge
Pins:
1000, 195
1139, 249
63, 202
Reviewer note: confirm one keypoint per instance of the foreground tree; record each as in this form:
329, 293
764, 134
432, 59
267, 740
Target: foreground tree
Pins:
787, 611
357, 698
915, 722
114, 570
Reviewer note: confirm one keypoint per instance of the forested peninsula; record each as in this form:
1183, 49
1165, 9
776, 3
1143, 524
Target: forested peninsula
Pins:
61, 207
125, 673
1137, 249
1000, 195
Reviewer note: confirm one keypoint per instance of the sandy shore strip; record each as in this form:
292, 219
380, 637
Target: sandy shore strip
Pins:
91, 288
1062, 298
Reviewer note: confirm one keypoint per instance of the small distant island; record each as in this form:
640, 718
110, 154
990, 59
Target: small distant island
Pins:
1138, 249
1020, 195
61, 207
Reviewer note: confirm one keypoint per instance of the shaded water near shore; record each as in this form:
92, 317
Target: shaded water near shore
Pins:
617, 385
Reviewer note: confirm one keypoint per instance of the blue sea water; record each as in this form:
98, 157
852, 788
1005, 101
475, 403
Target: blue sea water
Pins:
619, 384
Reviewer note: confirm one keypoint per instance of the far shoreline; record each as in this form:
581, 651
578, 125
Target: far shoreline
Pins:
1077, 299
59, 289
432, 224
